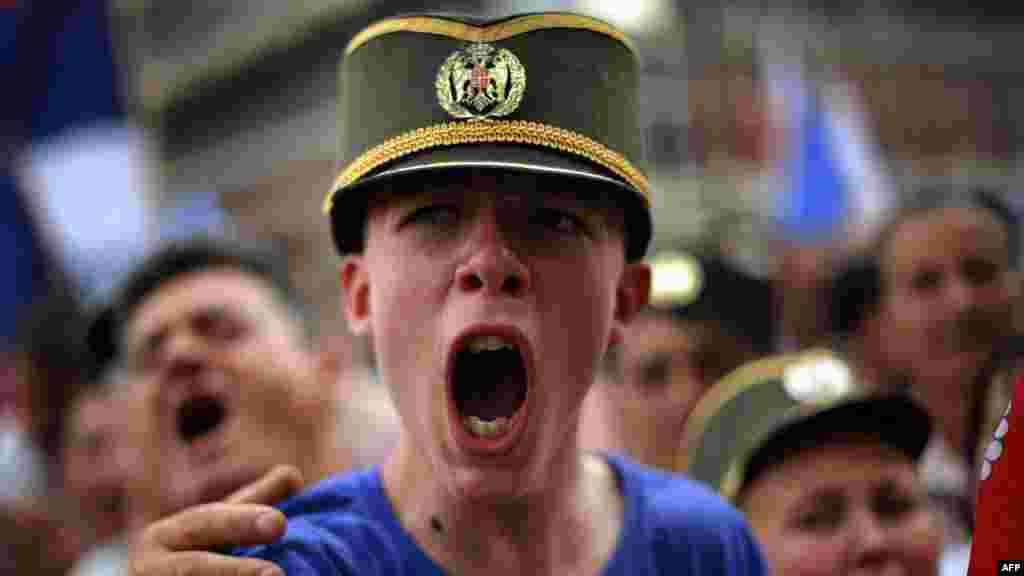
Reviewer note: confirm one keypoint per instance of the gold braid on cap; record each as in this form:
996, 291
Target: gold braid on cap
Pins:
489, 132
493, 33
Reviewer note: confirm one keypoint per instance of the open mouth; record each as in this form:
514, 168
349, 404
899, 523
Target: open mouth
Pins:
489, 386
199, 416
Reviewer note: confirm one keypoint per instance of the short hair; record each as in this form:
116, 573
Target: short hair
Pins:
930, 199
200, 254
992, 201
854, 295
101, 345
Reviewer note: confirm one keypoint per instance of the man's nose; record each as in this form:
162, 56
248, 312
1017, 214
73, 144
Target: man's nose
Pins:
492, 267
873, 544
495, 271
183, 355
963, 293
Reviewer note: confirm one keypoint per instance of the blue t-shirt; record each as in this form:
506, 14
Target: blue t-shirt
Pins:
672, 525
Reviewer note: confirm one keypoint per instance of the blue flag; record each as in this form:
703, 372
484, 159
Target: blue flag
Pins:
813, 205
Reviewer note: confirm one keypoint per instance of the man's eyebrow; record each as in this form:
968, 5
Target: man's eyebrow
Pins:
213, 311
824, 495
147, 340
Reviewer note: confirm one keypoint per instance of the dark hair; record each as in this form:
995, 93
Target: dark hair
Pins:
1001, 210
854, 295
742, 304
199, 254
735, 304
101, 345
53, 342
929, 199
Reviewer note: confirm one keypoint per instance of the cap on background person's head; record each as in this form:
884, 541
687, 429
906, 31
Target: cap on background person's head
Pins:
550, 94
769, 409
697, 287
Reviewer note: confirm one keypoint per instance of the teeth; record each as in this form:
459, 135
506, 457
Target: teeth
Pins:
486, 428
488, 344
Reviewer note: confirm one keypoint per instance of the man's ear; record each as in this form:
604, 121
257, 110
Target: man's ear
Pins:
631, 296
355, 286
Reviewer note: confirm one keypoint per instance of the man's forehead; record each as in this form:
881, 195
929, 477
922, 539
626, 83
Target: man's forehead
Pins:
222, 288
955, 217
939, 231
506, 184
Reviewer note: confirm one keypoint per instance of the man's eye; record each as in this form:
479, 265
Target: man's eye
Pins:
891, 502
655, 372
926, 281
980, 272
432, 215
219, 327
559, 221
820, 519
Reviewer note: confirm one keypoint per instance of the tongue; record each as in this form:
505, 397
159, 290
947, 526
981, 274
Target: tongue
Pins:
490, 385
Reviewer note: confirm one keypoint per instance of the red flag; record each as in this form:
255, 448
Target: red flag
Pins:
999, 531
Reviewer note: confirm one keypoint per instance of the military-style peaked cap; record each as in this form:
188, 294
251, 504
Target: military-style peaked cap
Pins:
762, 411
549, 93
706, 287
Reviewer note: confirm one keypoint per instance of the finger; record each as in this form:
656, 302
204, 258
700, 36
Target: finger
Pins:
214, 526
203, 564
274, 486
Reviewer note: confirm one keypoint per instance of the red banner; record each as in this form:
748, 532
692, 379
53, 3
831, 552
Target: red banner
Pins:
999, 532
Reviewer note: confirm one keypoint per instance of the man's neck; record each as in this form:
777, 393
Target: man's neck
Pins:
568, 525
948, 390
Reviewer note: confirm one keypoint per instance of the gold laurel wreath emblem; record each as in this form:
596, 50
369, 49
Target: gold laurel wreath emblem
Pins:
480, 81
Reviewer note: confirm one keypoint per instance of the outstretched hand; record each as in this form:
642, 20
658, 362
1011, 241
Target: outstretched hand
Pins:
191, 541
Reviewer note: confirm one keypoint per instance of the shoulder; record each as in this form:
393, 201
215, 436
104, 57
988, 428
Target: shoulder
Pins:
674, 500
335, 527
690, 523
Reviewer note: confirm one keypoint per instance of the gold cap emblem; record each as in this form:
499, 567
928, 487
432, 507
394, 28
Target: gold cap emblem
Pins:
480, 81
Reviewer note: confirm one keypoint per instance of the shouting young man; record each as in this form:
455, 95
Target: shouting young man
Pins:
491, 222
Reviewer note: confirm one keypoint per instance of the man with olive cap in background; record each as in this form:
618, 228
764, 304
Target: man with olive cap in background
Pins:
825, 472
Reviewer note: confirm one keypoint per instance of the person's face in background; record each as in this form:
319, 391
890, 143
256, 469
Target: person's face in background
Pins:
95, 469
227, 384
947, 293
665, 365
844, 508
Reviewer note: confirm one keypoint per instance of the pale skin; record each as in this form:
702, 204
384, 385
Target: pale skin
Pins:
482, 252
487, 252
183, 543
850, 507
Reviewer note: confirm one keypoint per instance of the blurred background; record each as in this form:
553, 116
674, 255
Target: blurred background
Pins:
746, 107
762, 122
778, 135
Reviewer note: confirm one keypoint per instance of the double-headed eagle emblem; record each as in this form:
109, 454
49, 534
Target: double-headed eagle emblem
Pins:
480, 81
